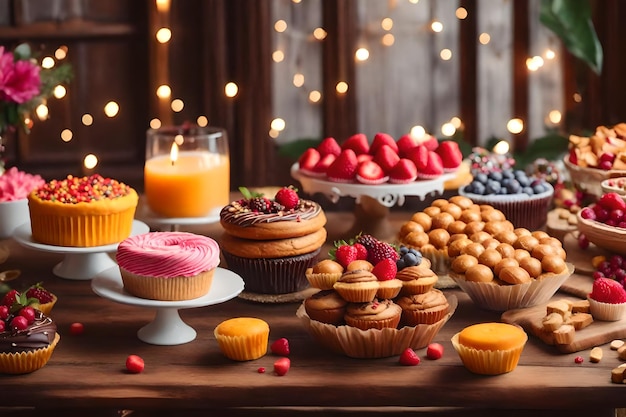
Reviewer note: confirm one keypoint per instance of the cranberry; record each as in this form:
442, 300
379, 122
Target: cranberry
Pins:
617, 215
607, 156
622, 224
578, 359
583, 242
28, 313
4, 312
19, 323
597, 274
605, 165
588, 213
601, 213
620, 275
616, 261
611, 222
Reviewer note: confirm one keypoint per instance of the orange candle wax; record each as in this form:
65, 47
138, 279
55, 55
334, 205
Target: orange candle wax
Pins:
193, 184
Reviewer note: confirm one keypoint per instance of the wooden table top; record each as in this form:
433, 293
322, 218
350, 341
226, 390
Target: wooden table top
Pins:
87, 371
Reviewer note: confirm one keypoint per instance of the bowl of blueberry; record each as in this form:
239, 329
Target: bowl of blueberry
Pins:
524, 200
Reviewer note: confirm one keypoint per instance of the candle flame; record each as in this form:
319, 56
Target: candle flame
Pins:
174, 153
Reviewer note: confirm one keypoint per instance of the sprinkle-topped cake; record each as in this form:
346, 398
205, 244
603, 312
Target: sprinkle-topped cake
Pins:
82, 212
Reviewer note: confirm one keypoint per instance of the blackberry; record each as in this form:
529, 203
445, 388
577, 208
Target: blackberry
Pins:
368, 241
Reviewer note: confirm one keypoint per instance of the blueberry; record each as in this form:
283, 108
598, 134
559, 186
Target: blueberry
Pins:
503, 190
539, 188
415, 252
496, 175
481, 177
410, 259
492, 187
528, 190
508, 174
479, 188
403, 250
400, 264
514, 187
523, 180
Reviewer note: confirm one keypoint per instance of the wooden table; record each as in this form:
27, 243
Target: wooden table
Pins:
86, 374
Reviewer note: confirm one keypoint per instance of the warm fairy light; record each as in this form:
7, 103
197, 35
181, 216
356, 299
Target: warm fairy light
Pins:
445, 54
42, 112
28, 122
296, 1
278, 56
155, 123
436, 26
298, 79
179, 140
319, 34
515, 126
414, 1
461, 13
177, 105
555, 116
388, 39
534, 63
163, 5
164, 91
418, 132
61, 52
59, 91
502, 147
456, 122
362, 54
273, 133
550, 54
47, 62
387, 23
448, 129
111, 109
66, 135
164, 35
90, 161
278, 124
315, 96
202, 121
231, 89
280, 26
341, 87
87, 119
484, 38
577, 97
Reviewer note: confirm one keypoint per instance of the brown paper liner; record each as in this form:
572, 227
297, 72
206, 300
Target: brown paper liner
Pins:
488, 362
26, 362
167, 289
373, 343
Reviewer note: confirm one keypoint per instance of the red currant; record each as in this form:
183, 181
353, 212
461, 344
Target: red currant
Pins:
4, 312
588, 213
19, 323
77, 328
579, 359
28, 313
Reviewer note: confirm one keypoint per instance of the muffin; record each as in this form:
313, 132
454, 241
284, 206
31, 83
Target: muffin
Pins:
358, 286
82, 212
607, 300
376, 314
30, 348
326, 306
271, 243
324, 274
416, 279
168, 266
242, 338
490, 348
426, 308
388, 289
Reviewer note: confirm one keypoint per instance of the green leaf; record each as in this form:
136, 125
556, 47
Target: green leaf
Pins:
22, 51
571, 21
297, 147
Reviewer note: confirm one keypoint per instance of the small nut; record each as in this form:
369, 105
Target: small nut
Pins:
621, 353
616, 344
617, 375
595, 355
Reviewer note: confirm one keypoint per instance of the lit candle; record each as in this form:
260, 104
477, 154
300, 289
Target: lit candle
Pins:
187, 183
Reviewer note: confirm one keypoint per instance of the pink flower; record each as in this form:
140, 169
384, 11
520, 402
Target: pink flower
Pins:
19, 80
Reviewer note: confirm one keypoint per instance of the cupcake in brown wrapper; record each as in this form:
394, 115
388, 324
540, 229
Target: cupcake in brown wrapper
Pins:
326, 306
357, 286
427, 308
373, 315
416, 279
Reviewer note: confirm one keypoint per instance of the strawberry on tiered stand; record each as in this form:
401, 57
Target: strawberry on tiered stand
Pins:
379, 175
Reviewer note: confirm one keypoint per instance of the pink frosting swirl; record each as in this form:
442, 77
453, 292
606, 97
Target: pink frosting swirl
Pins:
168, 254
16, 184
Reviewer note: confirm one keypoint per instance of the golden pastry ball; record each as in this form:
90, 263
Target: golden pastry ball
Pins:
462, 263
479, 273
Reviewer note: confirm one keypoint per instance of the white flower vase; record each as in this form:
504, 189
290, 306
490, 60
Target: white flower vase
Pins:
13, 214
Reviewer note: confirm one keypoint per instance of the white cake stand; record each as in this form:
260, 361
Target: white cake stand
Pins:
167, 328
79, 263
372, 201
172, 224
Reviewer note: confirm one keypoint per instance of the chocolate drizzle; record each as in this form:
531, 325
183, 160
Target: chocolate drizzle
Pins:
36, 336
239, 215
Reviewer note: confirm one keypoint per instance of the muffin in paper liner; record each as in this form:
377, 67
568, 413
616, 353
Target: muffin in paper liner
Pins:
373, 343
27, 362
167, 288
242, 338
46, 308
389, 289
488, 362
530, 212
323, 281
606, 311
491, 296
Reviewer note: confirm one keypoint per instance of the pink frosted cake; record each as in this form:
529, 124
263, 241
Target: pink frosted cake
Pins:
16, 184
168, 266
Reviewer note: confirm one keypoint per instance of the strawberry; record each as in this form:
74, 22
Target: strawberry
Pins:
382, 250
419, 156
343, 169
281, 366
430, 142
409, 358
404, 172
363, 157
77, 328
40, 293
134, 364
345, 254
309, 159
450, 154
434, 351
433, 168
358, 143
381, 139
607, 290
329, 146
387, 158
280, 347
612, 201
287, 197
361, 251
10, 298
385, 270
369, 172
405, 144
322, 166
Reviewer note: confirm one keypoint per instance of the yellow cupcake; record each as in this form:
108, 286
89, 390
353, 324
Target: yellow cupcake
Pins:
243, 338
490, 348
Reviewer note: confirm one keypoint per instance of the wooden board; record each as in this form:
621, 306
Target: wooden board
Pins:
578, 285
557, 226
581, 258
597, 333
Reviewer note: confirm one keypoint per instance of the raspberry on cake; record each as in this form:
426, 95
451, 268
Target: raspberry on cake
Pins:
82, 212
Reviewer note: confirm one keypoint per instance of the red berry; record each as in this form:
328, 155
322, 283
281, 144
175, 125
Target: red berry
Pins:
370, 172
583, 242
2, 326
28, 313
409, 358
10, 298
329, 146
386, 158
287, 197
385, 270
343, 168
383, 139
261, 370
309, 159
606, 290
4, 312
358, 143
434, 351
280, 347
382, 250
40, 293
77, 328
361, 251
578, 359
134, 364
281, 366
588, 213
403, 172
612, 201
19, 323
345, 254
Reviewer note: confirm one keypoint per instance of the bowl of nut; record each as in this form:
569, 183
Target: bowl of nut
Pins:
615, 185
604, 223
